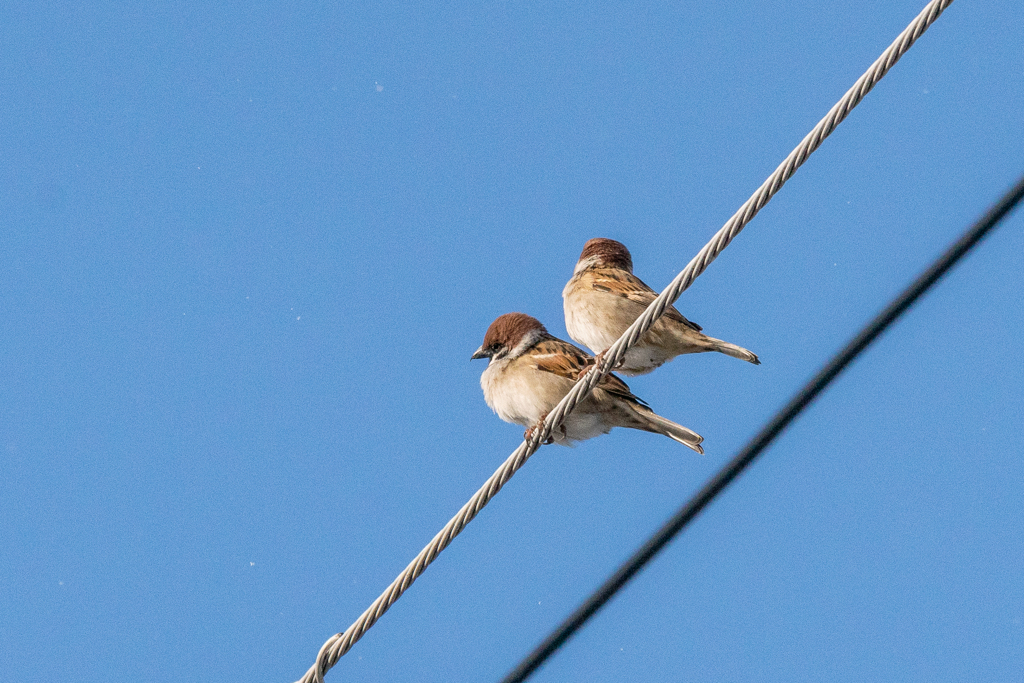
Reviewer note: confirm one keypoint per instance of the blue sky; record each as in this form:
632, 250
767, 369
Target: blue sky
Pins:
248, 250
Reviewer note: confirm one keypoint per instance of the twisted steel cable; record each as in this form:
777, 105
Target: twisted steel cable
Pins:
340, 643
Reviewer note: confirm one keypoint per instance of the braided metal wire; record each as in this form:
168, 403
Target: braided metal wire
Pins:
338, 644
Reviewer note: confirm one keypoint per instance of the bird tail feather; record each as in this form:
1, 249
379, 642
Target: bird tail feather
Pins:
677, 432
734, 351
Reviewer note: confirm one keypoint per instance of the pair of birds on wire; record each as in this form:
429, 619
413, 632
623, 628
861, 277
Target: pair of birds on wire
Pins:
530, 371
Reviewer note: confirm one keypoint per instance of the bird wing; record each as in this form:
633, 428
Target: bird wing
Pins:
568, 361
559, 358
628, 286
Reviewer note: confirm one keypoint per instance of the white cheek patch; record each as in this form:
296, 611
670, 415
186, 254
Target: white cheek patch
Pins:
525, 343
584, 264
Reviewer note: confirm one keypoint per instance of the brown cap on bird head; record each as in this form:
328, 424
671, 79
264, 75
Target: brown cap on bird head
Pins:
506, 332
608, 252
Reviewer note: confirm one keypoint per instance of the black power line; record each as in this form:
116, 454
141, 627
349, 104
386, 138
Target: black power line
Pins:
782, 419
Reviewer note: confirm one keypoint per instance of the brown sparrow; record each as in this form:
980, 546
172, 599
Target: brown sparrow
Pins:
530, 371
603, 298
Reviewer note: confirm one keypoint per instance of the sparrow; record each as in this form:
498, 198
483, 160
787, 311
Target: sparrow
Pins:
603, 298
530, 371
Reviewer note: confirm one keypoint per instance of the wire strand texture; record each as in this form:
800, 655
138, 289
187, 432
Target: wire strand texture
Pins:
340, 643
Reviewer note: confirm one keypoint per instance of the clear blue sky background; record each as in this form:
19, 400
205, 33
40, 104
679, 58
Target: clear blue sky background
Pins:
247, 249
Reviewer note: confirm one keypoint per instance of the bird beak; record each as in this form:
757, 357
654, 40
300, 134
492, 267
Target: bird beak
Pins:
480, 353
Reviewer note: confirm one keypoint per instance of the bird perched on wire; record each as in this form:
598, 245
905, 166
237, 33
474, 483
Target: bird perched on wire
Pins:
603, 298
530, 371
